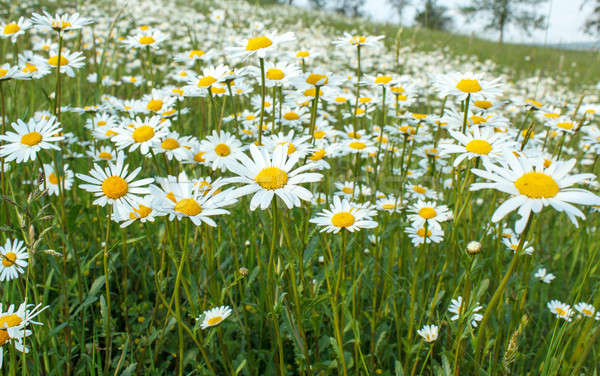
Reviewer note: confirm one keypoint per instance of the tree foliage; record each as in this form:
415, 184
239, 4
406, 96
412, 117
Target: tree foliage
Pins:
433, 16
592, 24
501, 13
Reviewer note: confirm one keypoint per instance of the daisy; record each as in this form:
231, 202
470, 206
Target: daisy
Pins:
533, 186
429, 333
563, 124
428, 212
13, 30
29, 138
52, 180
188, 200
145, 38
14, 259
260, 45
8, 72
456, 307
221, 151
512, 244
363, 147
58, 22
388, 204
544, 276
13, 325
144, 134
157, 101
477, 142
192, 56
200, 84
267, 175
297, 146
174, 146
113, 185
421, 234
585, 309
560, 310
470, 84
143, 213
69, 61
214, 316
344, 214
279, 74
33, 66
358, 40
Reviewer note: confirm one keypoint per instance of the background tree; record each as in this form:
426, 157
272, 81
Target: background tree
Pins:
400, 7
433, 16
350, 8
501, 13
592, 24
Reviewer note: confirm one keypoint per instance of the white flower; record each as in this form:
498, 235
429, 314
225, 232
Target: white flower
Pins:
344, 214
419, 234
59, 23
560, 310
53, 179
429, 333
29, 138
463, 84
145, 38
533, 186
456, 307
260, 45
14, 259
585, 309
268, 175
144, 134
221, 150
13, 30
428, 212
483, 143
544, 276
69, 61
214, 316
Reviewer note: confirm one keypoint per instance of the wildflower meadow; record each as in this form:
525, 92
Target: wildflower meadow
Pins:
222, 188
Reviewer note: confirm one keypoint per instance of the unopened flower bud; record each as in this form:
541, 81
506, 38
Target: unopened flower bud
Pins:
473, 248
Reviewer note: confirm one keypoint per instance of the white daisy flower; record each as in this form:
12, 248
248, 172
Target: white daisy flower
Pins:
267, 175
14, 259
8, 72
457, 307
53, 179
477, 142
29, 138
462, 85
585, 309
145, 38
429, 333
214, 316
533, 186
115, 186
344, 214
69, 61
544, 276
419, 234
13, 30
560, 310
14, 323
430, 212
174, 146
144, 134
221, 151
58, 22
260, 45
349, 40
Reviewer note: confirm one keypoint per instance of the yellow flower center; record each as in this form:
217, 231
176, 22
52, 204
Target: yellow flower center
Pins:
478, 119
222, 150
347, 190
383, 79
54, 61
7, 321
421, 232
467, 85
143, 133
481, 147
9, 259
142, 212
302, 54
31, 139
217, 90
271, 178
357, 145
317, 155
427, 213
315, 78
101, 123
206, 81
3, 72
419, 189
146, 40
154, 105
483, 104
11, 28
533, 102
115, 187
357, 40
189, 207
257, 43
388, 206
214, 320
567, 125
537, 185
586, 312
199, 157
110, 133
364, 100
275, 74
291, 116
419, 116
195, 53
560, 311
341, 100
312, 92
29, 68
53, 179
61, 24
342, 219
319, 134
551, 115
169, 144
105, 155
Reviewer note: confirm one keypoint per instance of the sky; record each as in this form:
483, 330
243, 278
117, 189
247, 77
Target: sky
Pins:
566, 20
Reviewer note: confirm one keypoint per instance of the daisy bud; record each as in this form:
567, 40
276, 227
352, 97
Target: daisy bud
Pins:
243, 271
247, 243
473, 248
321, 259
366, 251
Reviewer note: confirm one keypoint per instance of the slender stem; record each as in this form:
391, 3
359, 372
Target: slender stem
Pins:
108, 334
262, 99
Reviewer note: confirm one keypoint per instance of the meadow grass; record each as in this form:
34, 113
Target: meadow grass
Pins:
131, 300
